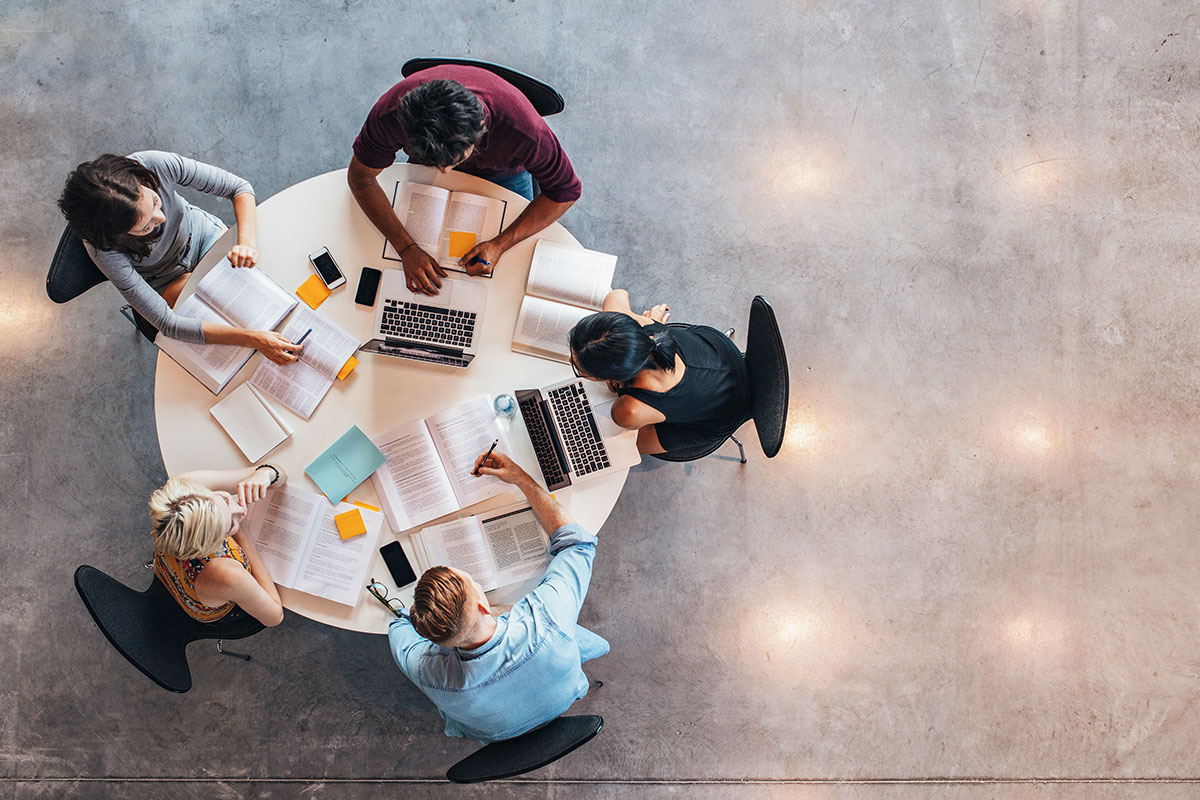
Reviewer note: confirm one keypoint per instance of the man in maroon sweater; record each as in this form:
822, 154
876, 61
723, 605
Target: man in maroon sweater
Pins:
466, 118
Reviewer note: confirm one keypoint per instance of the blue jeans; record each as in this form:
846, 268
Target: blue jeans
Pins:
521, 183
206, 229
591, 645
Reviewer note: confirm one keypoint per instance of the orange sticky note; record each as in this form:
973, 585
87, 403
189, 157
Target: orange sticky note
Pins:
313, 291
364, 505
347, 368
350, 523
460, 243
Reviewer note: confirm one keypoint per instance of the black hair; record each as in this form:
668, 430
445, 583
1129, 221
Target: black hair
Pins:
100, 201
441, 120
612, 346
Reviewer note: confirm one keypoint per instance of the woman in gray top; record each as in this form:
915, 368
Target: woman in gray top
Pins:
147, 239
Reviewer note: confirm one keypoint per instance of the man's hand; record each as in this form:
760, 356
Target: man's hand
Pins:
243, 255
489, 251
421, 273
501, 466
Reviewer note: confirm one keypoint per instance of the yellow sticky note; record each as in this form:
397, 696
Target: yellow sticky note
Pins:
367, 506
347, 368
313, 291
350, 523
460, 243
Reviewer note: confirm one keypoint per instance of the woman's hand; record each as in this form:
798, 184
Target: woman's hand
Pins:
276, 347
614, 386
660, 313
255, 487
243, 255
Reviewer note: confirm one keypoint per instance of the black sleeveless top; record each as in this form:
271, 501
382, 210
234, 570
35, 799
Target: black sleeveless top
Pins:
711, 400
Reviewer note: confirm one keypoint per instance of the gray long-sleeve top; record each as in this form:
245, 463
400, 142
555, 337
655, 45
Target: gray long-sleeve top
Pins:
140, 279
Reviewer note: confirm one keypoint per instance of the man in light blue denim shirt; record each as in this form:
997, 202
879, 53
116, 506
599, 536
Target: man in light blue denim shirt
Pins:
496, 677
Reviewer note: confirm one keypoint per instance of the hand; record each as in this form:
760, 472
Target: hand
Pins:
613, 386
254, 488
277, 348
421, 273
501, 466
243, 255
489, 251
660, 313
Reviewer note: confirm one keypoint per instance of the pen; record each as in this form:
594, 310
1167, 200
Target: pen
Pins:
486, 456
300, 341
481, 261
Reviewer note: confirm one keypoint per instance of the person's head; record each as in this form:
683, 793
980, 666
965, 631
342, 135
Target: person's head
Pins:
449, 607
611, 346
442, 121
189, 520
113, 203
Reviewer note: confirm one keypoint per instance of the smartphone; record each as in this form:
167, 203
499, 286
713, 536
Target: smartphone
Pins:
397, 564
368, 285
327, 268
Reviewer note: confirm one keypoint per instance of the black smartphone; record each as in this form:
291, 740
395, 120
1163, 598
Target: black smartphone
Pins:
368, 285
397, 564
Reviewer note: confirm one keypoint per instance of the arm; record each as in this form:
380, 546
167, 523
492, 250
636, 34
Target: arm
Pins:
225, 581
538, 215
403, 641
550, 515
421, 272
249, 484
245, 253
271, 344
632, 414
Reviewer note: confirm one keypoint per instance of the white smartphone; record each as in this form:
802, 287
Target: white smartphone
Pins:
327, 268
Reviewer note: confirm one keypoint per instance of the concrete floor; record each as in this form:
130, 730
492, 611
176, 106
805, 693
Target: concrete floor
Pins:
970, 574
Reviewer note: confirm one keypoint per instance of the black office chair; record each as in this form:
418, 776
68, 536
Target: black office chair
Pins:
545, 100
151, 630
72, 272
766, 363
527, 752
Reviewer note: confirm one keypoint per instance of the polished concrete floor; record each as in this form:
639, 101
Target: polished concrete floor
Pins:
971, 573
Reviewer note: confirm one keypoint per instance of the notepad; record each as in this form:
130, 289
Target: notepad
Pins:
313, 291
350, 524
460, 243
348, 462
347, 368
251, 422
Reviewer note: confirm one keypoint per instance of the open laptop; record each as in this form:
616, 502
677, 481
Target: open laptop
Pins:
443, 329
573, 433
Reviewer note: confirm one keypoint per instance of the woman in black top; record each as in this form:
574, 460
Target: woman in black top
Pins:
680, 387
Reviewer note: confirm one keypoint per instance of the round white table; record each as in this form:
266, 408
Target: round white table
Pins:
381, 392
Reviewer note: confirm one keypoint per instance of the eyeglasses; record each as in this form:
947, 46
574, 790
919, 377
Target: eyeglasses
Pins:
394, 604
575, 369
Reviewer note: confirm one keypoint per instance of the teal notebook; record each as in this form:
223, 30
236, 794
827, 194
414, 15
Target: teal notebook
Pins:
348, 462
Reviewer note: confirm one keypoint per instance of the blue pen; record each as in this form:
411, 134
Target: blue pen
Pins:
300, 341
481, 261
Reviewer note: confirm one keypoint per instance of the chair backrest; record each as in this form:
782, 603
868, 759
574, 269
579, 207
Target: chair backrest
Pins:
149, 628
545, 100
72, 271
766, 362
527, 752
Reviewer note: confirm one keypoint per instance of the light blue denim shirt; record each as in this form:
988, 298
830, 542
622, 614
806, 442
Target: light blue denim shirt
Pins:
530, 671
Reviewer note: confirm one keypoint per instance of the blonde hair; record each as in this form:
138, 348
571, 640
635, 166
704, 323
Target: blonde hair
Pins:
185, 522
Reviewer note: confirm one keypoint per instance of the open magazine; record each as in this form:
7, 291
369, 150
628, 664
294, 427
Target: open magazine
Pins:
443, 223
498, 548
429, 462
301, 385
299, 542
565, 284
238, 296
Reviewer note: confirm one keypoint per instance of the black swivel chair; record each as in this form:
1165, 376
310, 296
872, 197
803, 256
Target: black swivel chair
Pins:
545, 100
766, 363
72, 272
151, 630
527, 752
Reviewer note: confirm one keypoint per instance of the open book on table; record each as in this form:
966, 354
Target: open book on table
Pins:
443, 223
497, 548
566, 284
299, 542
429, 462
238, 296
301, 385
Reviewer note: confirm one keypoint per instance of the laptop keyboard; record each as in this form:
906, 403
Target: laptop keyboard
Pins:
444, 326
540, 437
577, 427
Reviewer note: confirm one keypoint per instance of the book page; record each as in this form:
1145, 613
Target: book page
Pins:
280, 525
327, 348
333, 567
570, 274
216, 363
421, 210
250, 423
469, 213
544, 327
520, 548
462, 434
298, 386
246, 297
459, 544
412, 484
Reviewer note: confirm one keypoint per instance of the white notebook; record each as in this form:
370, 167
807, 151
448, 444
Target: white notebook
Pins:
250, 422
566, 284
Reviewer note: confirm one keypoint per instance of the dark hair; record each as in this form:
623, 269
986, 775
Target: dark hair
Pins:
441, 120
100, 200
439, 603
612, 346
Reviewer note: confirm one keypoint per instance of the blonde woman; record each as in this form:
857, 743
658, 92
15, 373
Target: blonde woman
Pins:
199, 552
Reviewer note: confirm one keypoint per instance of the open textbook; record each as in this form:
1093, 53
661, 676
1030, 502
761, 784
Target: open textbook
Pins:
443, 223
429, 462
497, 548
566, 283
298, 540
301, 385
241, 297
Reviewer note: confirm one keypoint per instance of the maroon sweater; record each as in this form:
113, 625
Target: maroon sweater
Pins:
517, 138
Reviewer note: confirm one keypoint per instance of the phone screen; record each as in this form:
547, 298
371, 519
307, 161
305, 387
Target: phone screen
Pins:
397, 564
326, 267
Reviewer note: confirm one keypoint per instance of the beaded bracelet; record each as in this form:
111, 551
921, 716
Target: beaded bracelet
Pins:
271, 467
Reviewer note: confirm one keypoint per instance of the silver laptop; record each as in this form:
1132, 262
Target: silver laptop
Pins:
571, 427
442, 329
